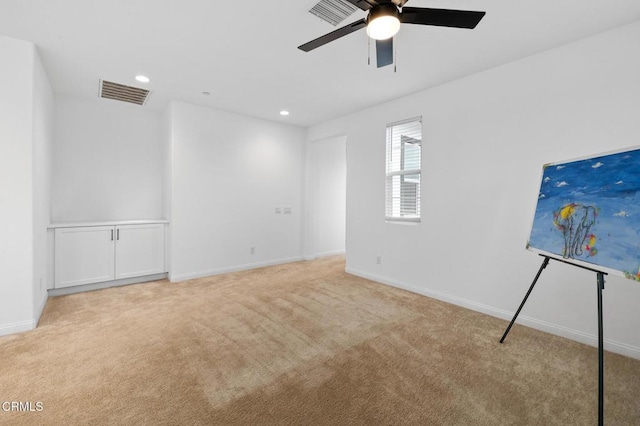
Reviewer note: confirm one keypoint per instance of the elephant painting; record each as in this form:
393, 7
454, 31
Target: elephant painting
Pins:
575, 222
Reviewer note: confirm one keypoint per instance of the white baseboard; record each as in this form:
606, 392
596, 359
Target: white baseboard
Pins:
17, 327
228, 269
28, 325
558, 330
106, 284
40, 310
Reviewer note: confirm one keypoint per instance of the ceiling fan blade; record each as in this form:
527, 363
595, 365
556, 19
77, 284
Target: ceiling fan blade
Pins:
334, 35
364, 4
384, 52
441, 17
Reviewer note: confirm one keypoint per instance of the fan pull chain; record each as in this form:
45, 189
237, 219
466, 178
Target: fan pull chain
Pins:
368, 50
395, 57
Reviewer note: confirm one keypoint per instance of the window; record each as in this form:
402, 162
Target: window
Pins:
404, 157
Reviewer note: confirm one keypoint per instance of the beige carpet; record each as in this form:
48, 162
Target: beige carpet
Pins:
298, 344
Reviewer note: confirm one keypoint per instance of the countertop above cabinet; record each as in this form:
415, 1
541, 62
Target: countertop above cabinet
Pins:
106, 223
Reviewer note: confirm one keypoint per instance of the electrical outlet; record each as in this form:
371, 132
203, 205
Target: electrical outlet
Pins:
287, 210
278, 210
379, 260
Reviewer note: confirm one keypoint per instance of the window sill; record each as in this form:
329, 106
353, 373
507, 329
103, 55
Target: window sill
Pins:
410, 222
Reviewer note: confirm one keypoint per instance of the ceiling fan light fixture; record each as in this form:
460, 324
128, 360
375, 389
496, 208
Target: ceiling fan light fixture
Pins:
383, 22
383, 27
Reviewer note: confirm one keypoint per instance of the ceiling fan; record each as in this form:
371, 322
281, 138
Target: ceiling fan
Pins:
384, 19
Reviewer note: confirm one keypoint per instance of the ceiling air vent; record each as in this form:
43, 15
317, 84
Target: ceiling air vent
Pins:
120, 92
333, 11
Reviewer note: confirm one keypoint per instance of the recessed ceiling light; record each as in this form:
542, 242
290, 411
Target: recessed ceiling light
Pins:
142, 78
284, 112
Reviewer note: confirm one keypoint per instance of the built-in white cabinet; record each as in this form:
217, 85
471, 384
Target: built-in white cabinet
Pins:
93, 254
84, 255
139, 250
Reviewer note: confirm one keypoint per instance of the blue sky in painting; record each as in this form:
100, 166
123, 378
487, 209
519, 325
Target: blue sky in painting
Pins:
611, 184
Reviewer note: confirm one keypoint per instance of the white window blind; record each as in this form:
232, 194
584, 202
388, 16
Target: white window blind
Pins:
404, 164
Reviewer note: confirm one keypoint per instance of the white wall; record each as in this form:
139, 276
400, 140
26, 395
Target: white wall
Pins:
108, 161
228, 175
325, 197
42, 173
486, 138
16, 175
25, 136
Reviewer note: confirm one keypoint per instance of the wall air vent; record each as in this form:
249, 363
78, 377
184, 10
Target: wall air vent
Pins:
333, 11
120, 92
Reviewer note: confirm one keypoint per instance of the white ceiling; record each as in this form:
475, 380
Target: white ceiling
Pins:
245, 52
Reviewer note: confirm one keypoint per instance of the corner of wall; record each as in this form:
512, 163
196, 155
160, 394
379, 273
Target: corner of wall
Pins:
42, 159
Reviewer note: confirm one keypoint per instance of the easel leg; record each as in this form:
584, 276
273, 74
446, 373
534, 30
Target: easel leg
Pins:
544, 265
600, 352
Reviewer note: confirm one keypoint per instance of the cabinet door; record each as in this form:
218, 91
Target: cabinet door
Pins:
84, 255
139, 250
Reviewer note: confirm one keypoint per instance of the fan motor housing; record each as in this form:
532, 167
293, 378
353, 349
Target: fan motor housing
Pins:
385, 9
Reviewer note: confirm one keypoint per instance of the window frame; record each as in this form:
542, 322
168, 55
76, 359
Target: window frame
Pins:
402, 173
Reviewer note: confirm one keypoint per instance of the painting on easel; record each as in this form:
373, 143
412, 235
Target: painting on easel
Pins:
588, 211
